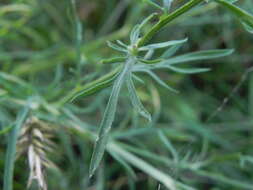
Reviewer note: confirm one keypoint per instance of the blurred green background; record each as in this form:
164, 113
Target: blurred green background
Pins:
189, 138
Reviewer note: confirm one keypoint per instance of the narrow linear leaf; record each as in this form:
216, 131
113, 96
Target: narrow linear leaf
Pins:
123, 163
200, 55
145, 21
116, 47
150, 2
187, 70
248, 27
144, 166
6, 130
78, 39
149, 54
11, 149
121, 43
14, 79
168, 144
219, 177
171, 51
150, 61
158, 80
241, 14
113, 60
167, 5
92, 87
135, 33
108, 117
136, 102
20, 7
138, 79
162, 45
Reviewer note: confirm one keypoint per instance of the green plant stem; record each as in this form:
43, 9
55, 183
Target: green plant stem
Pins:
91, 87
165, 20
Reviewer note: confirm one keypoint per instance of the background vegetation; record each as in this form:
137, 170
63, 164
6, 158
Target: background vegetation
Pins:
200, 138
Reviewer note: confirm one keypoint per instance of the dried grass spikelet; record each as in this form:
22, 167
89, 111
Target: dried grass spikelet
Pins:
34, 142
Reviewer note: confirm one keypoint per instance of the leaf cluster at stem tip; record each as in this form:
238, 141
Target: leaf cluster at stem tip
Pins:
138, 58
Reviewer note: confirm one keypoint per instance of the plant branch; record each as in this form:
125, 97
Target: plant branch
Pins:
92, 87
167, 19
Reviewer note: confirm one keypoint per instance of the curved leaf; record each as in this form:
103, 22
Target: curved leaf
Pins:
187, 70
244, 16
200, 55
108, 117
157, 79
91, 87
136, 102
162, 45
11, 149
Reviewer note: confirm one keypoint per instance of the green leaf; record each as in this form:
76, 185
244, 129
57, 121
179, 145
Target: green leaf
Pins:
121, 43
91, 87
171, 51
245, 17
135, 34
168, 144
138, 79
113, 60
162, 45
136, 31
6, 130
187, 70
150, 61
157, 79
123, 163
146, 20
248, 27
116, 47
149, 54
167, 5
165, 179
136, 102
196, 56
150, 2
108, 117
14, 79
234, 184
11, 148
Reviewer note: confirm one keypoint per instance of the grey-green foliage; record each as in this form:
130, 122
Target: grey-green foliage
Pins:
108, 116
11, 148
136, 63
20, 68
244, 17
165, 5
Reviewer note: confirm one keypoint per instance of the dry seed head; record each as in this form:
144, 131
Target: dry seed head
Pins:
34, 142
